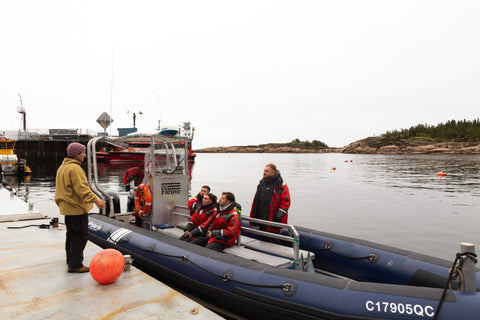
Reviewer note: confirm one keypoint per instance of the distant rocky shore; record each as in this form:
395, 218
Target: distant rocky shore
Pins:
371, 145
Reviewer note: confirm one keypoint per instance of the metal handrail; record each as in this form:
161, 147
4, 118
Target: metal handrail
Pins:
294, 237
92, 161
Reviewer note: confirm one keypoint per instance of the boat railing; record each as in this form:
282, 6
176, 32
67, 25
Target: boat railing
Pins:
293, 236
92, 170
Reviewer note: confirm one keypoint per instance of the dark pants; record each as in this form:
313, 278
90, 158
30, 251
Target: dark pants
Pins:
185, 238
200, 241
217, 246
77, 235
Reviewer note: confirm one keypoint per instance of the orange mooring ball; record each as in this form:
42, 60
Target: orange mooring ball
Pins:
106, 266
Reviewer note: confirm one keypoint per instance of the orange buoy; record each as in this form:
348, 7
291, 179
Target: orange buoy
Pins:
106, 266
333, 168
442, 174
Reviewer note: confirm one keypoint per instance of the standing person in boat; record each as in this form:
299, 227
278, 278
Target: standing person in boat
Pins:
226, 225
272, 199
134, 174
75, 199
196, 228
195, 203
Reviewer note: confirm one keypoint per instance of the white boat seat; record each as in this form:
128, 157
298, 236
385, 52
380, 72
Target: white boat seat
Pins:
243, 252
273, 248
181, 224
253, 249
175, 232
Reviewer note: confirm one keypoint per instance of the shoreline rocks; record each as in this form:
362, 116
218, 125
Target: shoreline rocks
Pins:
374, 145
370, 145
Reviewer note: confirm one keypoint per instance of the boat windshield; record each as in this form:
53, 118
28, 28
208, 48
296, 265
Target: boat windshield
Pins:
166, 158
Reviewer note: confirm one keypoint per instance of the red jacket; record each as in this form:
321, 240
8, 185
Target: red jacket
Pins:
194, 204
136, 174
279, 201
225, 226
201, 219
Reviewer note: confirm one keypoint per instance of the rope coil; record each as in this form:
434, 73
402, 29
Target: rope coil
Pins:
455, 271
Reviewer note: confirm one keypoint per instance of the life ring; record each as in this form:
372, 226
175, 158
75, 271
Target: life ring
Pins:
143, 200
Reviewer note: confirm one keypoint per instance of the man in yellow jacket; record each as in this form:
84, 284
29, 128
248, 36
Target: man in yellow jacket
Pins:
75, 199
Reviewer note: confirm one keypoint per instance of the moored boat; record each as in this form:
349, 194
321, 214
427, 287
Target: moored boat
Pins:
9, 161
310, 275
132, 149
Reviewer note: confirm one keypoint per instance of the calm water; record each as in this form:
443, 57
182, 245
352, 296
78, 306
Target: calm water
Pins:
396, 200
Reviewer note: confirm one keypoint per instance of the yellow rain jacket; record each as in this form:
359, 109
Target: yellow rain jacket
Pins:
72, 193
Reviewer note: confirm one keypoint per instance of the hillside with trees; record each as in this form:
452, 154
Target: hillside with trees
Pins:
450, 137
455, 137
457, 131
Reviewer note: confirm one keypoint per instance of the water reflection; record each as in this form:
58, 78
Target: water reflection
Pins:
420, 172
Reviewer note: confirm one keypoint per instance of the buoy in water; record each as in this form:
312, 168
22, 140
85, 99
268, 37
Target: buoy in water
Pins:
442, 174
106, 266
333, 168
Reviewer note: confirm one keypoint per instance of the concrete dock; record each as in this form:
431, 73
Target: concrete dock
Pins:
14, 209
34, 283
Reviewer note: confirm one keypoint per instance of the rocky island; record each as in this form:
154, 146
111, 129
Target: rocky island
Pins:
369, 145
453, 137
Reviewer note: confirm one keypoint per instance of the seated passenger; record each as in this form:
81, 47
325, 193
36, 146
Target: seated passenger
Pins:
195, 203
134, 174
225, 227
201, 219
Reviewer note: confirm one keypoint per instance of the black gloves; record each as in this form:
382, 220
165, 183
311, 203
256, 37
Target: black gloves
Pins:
278, 215
195, 233
194, 206
216, 233
188, 226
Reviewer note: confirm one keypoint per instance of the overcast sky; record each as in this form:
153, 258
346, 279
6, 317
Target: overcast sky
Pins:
243, 72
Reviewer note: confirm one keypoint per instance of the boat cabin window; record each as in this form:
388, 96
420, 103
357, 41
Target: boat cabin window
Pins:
168, 159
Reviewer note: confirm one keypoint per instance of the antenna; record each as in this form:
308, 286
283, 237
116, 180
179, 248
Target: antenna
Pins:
22, 111
111, 92
159, 111
134, 116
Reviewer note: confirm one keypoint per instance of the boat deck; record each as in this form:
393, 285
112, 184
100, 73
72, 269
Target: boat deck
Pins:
35, 284
253, 249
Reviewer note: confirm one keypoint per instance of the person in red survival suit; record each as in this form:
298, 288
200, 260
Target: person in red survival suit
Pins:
226, 225
135, 174
198, 224
272, 199
195, 203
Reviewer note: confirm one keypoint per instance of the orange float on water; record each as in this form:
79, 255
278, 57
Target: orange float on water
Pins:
106, 266
442, 174
333, 168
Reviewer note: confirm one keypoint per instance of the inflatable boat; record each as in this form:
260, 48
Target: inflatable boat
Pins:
302, 274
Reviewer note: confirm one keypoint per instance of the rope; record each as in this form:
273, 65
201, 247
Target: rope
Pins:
369, 257
294, 239
186, 259
41, 226
450, 277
